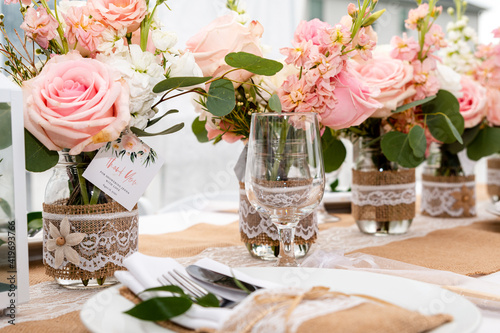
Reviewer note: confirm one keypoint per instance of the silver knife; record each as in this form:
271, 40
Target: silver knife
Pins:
218, 279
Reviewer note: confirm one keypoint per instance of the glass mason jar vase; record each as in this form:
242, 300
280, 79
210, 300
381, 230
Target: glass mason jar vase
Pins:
86, 233
383, 193
446, 190
493, 177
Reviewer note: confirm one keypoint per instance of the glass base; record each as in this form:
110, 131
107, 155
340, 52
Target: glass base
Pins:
91, 284
268, 252
384, 228
494, 198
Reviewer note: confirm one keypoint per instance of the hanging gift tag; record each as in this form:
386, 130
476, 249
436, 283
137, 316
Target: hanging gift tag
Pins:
123, 169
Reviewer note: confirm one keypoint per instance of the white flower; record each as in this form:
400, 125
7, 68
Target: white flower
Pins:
62, 241
142, 72
163, 40
449, 80
112, 41
183, 65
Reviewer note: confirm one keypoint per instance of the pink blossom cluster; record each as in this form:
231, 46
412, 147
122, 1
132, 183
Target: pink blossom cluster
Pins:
84, 23
326, 83
487, 72
421, 56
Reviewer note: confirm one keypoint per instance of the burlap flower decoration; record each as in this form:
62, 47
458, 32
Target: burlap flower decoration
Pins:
464, 199
62, 242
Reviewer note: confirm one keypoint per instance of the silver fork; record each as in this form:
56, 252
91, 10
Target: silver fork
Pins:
176, 278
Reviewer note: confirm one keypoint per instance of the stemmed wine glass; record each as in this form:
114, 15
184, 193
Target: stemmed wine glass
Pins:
284, 176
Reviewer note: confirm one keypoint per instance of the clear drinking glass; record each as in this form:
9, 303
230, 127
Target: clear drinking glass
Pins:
284, 177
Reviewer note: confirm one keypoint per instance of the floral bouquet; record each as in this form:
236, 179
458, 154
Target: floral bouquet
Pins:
87, 69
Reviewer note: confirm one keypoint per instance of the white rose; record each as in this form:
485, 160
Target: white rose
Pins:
449, 80
183, 65
163, 40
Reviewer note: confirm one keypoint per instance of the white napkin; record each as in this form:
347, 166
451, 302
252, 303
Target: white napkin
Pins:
144, 271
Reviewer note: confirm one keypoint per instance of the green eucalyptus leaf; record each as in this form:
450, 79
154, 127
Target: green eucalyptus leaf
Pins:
334, 151
468, 136
275, 103
151, 122
443, 117
208, 301
396, 147
417, 141
199, 130
487, 142
220, 98
35, 222
170, 130
179, 82
169, 288
38, 157
413, 104
4, 205
160, 308
5, 126
253, 63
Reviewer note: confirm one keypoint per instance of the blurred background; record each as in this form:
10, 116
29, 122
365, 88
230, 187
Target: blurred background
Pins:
204, 171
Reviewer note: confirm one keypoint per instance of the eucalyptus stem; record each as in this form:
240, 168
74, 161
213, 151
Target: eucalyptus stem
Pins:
281, 149
83, 186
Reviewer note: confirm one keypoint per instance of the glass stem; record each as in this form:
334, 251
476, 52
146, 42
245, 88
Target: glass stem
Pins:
287, 246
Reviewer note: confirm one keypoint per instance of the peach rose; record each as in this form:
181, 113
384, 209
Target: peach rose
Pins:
392, 77
119, 13
355, 102
76, 103
224, 35
473, 102
493, 98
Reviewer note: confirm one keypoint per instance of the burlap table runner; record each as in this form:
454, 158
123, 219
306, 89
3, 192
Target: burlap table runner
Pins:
471, 250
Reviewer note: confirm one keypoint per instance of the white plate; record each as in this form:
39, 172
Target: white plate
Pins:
104, 311
492, 208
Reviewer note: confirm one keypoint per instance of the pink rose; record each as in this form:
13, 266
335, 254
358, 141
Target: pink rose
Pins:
493, 114
392, 76
311, 31
224, 35
223, 128
77, 103
119, 13
355, 102
473, 102
40, 26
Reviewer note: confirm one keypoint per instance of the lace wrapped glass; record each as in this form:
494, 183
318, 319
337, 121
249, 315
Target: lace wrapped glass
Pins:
259, 234
86, 233
383, 193
446, 190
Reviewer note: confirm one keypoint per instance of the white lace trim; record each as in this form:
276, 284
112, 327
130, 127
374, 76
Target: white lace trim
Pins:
91, 247
437, 198
383, 195
266, 226
283, 196
89, 217
493, 177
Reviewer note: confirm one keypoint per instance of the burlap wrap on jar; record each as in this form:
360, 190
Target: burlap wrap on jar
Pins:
111, 236
255, 229
493, 179
448, 196
383, 195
